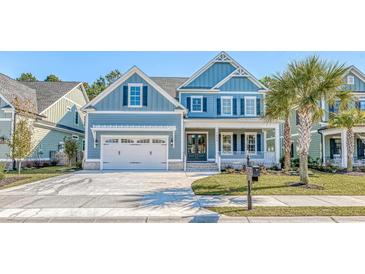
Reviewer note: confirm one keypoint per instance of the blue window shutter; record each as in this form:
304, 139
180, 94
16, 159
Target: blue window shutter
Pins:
204, 104
360, 148
125, 95
296, 118
332, 109
332, 148
357, 104
188, 103
242, 142
258, 106
258, 140
234, 106
242, 106
218, 106
145, 93
234, 142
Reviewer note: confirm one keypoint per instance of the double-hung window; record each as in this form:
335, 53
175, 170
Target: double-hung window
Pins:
196, 104
251, 143
350, 80
135, 95
250, 106
226, 105
227, 143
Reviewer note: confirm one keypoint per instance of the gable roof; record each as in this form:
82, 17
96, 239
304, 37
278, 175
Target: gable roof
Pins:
238, 72
170, 84
353, 69
49, 92
125, 77
11, 89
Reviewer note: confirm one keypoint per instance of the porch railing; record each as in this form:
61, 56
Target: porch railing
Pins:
240, 157
337, 161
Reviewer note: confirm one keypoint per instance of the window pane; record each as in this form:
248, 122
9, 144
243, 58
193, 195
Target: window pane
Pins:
250, 106
196, 104
135, 96
226, 106
227, 144
251, 144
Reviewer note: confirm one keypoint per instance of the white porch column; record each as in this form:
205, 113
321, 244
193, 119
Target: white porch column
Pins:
277, 143
265, 142
344, 148
216, 139
323, 149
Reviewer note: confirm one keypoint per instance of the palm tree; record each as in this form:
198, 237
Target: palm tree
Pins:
312, 80
348, 119
279, 105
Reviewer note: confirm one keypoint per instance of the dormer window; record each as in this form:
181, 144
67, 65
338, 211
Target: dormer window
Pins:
135, 95
196, 104
350, 80
226, 105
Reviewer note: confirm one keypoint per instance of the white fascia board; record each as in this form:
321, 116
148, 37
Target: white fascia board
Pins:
134, 112
125, 77
40, 124
6, 101
357, 73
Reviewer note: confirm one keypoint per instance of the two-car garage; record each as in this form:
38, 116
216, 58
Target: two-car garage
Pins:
134, 152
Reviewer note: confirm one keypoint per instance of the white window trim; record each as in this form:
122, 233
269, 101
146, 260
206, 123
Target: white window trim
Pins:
201, 103
254, 134
226, 98
352, 82
68, 108
227, 134
254, 105
129, 94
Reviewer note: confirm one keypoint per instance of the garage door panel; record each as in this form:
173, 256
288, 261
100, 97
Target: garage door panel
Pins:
135, 153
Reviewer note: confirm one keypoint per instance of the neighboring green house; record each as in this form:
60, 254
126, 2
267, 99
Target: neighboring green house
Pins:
328, 145
55, 110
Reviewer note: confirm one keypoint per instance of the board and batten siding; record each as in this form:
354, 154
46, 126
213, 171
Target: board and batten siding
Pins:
114, 100
212, 76
134, 120
60, 114
77, 96
212, 104
3, 114
358, 86
239, 84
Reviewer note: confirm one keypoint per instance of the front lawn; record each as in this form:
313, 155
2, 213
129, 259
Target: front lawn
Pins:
281, 211
31, 175
236, 184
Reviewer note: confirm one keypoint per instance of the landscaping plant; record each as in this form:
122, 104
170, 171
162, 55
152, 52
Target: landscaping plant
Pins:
71, 149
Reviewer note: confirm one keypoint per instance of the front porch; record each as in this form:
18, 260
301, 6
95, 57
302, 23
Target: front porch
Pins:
335, 147
228, 143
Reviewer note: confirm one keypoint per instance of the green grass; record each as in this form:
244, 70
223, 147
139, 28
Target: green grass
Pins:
281, 211
236, 184
36, 174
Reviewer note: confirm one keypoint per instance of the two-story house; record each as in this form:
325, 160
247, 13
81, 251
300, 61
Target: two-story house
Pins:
54, 114
213, 117
329, 144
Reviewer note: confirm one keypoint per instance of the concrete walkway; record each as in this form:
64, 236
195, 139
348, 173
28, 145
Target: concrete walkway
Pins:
141, 197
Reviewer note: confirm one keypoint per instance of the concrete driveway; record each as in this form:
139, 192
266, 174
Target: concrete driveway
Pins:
105, 195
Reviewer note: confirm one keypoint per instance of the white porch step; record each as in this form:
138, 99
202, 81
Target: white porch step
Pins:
202, 166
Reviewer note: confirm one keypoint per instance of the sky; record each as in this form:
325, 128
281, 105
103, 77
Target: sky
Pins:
88, 66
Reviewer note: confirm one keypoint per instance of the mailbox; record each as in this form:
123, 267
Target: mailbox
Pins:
253, 173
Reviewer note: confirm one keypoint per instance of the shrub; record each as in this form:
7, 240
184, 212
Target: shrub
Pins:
2, 171
54, 162
79, 165
45, 164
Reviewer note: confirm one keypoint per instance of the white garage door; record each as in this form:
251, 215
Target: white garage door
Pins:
134, 153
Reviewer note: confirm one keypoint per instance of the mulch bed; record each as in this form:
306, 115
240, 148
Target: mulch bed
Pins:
10, 180
309, 186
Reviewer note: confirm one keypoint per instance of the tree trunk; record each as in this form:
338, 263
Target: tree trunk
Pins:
304, 130
350, 148
287, 144
19, 166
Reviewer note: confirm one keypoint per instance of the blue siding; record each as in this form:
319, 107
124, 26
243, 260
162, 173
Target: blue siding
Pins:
2, 113
239, 84
359, 85
216, 73
212, 104
155, 100
135, 120
5, 129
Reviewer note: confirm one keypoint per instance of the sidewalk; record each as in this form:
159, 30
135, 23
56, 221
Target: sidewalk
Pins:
282, 200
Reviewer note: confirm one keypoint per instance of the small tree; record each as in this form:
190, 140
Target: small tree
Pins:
52, 78
27, 77
70, 149
21, 142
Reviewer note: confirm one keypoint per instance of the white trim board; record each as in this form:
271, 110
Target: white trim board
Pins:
125, 77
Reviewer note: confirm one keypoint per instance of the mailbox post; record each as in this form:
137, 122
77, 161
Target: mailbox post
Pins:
253, 173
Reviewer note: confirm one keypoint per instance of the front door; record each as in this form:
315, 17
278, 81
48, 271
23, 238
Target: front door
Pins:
196, 147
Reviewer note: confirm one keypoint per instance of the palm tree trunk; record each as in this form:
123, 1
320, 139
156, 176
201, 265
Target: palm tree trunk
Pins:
350, 148
287, 144
304, 130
